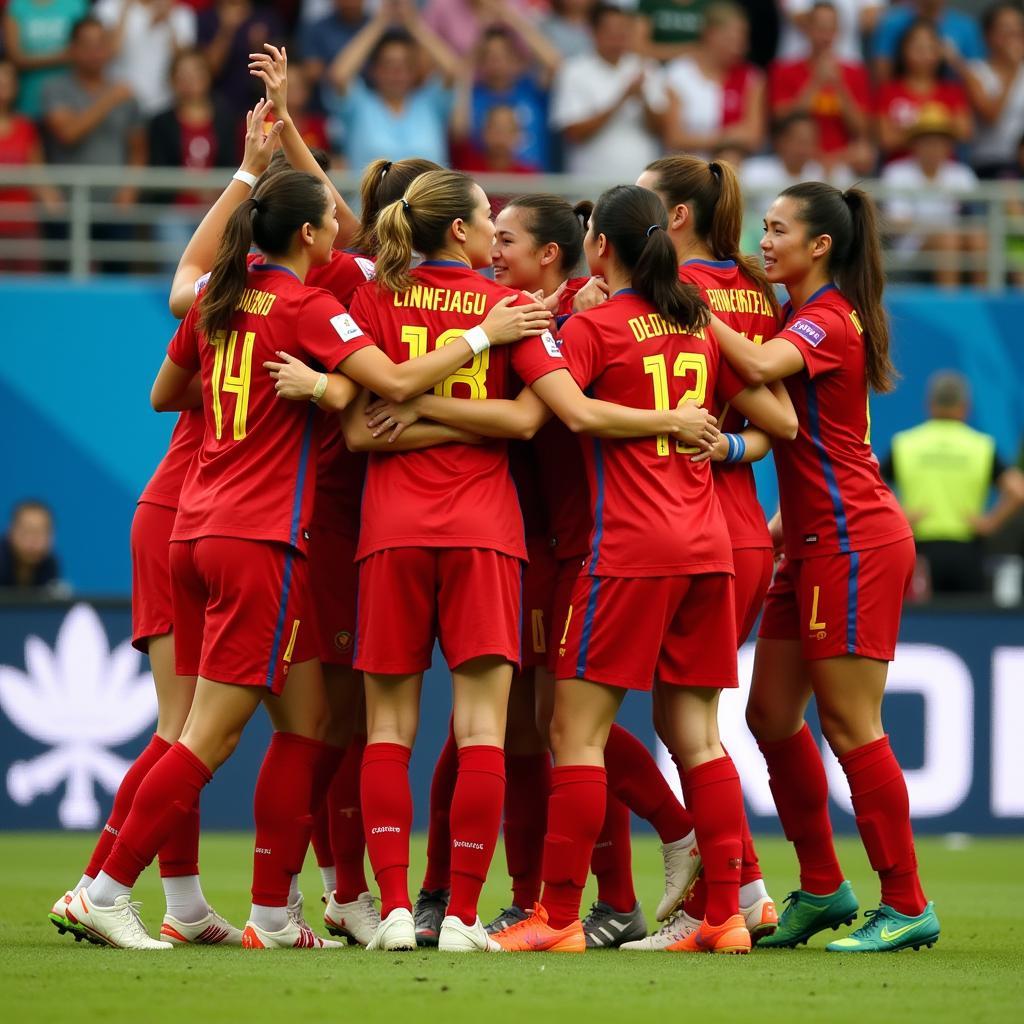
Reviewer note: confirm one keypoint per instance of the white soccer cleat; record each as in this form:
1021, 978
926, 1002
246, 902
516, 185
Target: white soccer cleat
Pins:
682, 865
295, 913
58, 916
676, 928
291, 936
396, 932
457, 937
119, 926
212, 930
356, 921
761, 918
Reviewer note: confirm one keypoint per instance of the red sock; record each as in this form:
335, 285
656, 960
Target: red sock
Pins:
320, 837
526, 822
179, 855
153, 751
635, 778
575, 814
612, 859
165, 796
882, 808
475, 821
751, 870
439, 836
387, 820
713, 789
800, 788
291, 778
347, 839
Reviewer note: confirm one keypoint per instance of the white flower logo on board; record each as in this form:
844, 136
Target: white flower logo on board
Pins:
79, 699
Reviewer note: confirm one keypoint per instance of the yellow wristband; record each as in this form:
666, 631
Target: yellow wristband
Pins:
319, 388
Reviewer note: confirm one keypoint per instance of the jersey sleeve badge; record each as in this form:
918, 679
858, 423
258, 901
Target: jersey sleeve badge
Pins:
347, 329
811, 333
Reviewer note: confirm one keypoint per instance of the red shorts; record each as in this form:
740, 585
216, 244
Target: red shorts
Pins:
538, 593
841, 604
630, 631
753, 577
569, 570
334, 584
152, 614
468, 598
238, 609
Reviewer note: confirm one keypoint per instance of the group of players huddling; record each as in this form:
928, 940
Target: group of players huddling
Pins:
362, 413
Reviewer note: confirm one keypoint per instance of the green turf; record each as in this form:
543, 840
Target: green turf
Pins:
973, 974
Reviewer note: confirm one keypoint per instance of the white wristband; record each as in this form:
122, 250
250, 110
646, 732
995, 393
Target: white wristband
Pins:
477, 339
245, 177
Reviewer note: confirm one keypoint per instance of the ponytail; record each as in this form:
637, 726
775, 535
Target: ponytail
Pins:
230, 270
713, 194
850, 218
634, 221
382, 183
394, 247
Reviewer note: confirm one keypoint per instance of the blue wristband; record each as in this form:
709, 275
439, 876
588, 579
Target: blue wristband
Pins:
737, 447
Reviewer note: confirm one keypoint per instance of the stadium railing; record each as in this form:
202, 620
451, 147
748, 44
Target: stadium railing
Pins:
984, 242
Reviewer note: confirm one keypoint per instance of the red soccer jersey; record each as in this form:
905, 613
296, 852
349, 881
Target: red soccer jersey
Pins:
903, 106
568, 296
522, 460
655, 512
452, 495
563, 481
255, 472
164, 485
737, 300
830, 488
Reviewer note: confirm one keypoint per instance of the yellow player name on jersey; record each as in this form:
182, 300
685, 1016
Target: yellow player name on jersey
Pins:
738, 300
442, 300
256, 302
652, 325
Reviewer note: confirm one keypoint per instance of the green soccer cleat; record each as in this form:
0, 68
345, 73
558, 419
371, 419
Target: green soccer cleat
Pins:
807, 914
888, 931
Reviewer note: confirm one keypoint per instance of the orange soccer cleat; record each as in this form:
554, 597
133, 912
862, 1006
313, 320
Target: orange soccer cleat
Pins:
730, 937
535, 935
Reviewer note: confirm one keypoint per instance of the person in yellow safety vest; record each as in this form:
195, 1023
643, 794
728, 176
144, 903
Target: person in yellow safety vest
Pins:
943, 472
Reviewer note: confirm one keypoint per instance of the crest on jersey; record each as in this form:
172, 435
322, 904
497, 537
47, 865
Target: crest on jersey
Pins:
552, 344
343, 640
346, 327
811, 333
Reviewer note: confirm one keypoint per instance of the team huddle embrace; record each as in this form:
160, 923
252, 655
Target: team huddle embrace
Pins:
378, 448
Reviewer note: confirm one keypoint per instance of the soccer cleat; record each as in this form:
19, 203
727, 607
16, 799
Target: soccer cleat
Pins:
355, 921
431, 907
605, 928
730, 937
396, 932
682, 865
508, 917
455, 936
761, 917
57, 917
291, 936
535, 935
807, 914
212, 930
888, 931
119, 926
675, 929
296, 914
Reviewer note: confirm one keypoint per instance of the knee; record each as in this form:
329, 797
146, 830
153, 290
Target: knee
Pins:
213, 749
770, 723
844, 731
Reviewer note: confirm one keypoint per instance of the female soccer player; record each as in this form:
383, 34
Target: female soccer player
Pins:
833, 612
237, 553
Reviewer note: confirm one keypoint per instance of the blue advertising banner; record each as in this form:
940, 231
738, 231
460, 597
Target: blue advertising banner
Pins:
77, 704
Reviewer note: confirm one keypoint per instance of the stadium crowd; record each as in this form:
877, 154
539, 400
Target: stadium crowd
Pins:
924, 94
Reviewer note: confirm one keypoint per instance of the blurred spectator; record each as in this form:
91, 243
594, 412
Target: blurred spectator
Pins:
322, 40
26, 552
1015, 235
796, 157
927, 219
567, 26
919, 79
502, 78
398, 111
943, 471
227, 34
958, 32
309, 122
669, 28
146, 35
996, 90
36, 35
715, 96
500, 143
460, 23
835, 92
609, 105
856, 19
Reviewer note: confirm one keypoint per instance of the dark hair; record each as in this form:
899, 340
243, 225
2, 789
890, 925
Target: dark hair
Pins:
712, 192
383, 182
601, 10
783, 124
419, 221
279, 205
188, 53
86, 21
497, 32
899, 64
389, 38
30, 505
550, 218
991, 13
634, 221
854, 262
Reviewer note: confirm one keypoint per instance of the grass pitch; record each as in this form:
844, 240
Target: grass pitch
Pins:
975, 973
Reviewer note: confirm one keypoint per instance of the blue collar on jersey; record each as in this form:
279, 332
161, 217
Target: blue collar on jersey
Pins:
274, 266
790, 312
717, 264
623, 291
446, 263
